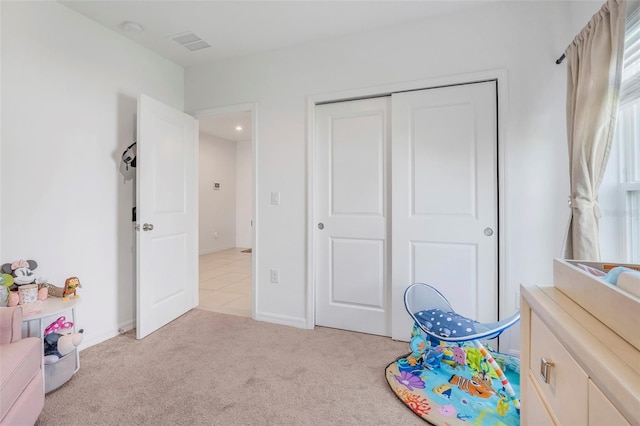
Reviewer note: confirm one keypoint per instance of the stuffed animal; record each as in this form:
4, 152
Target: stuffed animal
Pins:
6, 281
60, 343
22, 271
70, 286
60, 324
53, 290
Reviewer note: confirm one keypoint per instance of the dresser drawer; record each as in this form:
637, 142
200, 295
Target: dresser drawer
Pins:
601, 410
535, 413
566, 385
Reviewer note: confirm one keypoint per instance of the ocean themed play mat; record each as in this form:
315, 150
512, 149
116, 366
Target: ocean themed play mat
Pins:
449, 384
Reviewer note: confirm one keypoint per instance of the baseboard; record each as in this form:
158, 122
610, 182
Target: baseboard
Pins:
214, 250
94, 340
297, 322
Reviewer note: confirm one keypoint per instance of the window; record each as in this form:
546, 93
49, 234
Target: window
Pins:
620, 191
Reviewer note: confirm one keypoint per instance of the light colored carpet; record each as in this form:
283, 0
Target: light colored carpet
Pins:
208, 368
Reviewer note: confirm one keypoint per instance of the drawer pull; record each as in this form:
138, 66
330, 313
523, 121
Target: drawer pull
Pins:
545, 369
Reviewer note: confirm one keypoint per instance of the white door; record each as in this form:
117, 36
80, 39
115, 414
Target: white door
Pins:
445, 198
167, 188
351, 228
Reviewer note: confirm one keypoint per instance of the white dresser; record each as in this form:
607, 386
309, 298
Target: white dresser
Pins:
576, 368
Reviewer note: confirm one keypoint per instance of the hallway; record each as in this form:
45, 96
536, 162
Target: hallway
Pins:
225, 282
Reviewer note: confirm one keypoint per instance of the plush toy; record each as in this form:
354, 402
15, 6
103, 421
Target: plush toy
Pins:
53, 290
70, 286
60, 343
6, 281
22, 271
59, 324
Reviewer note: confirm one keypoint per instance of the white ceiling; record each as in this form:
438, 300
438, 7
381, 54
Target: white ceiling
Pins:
238, 28
224, 126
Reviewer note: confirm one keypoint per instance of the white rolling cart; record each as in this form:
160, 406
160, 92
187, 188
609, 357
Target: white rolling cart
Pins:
55, 375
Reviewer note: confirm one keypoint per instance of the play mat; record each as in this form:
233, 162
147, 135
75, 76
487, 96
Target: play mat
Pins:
452, 384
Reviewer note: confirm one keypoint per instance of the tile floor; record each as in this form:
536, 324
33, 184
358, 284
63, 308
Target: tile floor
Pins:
225, 282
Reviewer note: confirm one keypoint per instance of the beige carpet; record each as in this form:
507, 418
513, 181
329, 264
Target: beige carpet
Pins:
207, 368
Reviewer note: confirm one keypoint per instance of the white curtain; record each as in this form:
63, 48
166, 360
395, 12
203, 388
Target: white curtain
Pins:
594, 67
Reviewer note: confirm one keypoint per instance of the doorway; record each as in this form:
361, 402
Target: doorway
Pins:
417, 203
226, 237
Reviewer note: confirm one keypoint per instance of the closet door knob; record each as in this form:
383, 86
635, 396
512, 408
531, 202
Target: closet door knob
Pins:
488, 232
321, 225
147, 227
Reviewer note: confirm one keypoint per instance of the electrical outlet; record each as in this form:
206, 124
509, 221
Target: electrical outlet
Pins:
275, 276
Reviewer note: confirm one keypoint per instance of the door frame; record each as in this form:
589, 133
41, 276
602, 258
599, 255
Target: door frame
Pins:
498, 75
253, 109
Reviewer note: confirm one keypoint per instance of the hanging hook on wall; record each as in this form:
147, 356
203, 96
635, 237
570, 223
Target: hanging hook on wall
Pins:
560, 59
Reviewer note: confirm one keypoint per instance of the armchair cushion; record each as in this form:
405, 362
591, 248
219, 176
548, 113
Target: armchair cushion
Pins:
21, 378
21, 364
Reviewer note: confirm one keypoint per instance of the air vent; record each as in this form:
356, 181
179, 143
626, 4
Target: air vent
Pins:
190, 41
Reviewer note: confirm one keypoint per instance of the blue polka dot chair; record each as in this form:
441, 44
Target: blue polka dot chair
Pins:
434, 316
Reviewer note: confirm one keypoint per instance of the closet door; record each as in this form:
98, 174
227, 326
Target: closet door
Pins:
351, 212
444, 189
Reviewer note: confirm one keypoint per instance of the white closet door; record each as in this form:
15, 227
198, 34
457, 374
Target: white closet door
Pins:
351, 229
445, 198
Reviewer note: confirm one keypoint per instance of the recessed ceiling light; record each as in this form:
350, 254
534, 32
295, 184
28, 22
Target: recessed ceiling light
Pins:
131, 27
238, 128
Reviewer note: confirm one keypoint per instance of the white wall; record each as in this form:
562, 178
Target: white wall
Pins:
217, 208
523, 38
244, 186
69, 90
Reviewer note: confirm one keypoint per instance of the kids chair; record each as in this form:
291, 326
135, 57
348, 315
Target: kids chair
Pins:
433, 314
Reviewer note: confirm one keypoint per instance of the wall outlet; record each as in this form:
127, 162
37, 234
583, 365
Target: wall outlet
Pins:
275, 276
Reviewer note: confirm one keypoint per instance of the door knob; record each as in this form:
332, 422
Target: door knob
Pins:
488, 232
147, 227
321, 225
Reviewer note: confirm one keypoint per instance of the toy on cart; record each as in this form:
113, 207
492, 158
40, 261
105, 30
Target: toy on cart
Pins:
61, 359
19, 285
70, 286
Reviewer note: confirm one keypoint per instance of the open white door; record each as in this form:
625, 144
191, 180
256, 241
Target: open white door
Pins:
167, 222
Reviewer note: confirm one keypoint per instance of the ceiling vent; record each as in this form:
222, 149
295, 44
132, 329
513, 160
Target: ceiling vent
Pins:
190, 41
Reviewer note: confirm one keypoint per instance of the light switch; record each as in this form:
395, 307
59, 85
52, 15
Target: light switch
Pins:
275, 198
